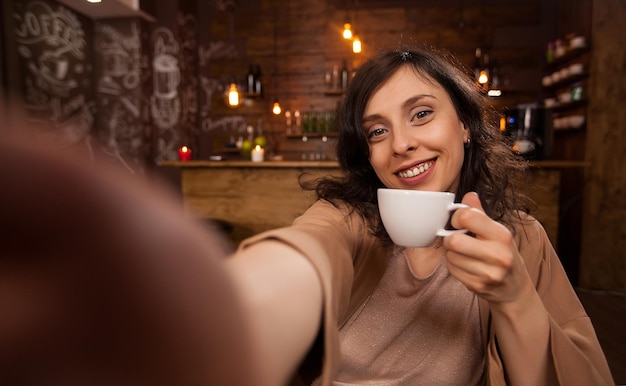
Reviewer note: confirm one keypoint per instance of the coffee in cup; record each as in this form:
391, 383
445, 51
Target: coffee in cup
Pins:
415, 218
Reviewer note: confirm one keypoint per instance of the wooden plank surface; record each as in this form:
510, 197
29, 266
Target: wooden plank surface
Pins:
544, 188
252, 199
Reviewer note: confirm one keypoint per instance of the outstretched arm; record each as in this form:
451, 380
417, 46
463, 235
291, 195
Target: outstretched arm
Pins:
282, 296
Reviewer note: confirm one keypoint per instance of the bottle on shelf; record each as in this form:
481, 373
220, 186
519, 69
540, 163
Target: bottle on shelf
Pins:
577, 91
336, 77
328, 80
258, 84
313, 122
344, 76
559, 48
250, 80
306, 122
494, 80
550, 52
477, 64
298, 118
288, 122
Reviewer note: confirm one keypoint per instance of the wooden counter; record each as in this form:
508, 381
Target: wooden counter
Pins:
252, 196
257, 196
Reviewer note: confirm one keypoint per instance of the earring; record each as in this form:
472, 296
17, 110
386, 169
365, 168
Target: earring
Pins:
468, 141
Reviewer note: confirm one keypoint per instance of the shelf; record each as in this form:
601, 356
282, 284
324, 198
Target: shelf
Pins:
230, 150
569, 55
333, 92
111, 9
568, 106
567, 81
312, 135
568, 129
254, 95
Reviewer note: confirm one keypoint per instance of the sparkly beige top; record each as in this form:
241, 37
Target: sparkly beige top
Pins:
413, 331
351, 263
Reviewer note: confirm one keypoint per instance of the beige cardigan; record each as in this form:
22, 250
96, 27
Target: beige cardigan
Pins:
350, 261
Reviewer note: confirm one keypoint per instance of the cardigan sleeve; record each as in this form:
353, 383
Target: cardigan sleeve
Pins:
576, 354
328, 237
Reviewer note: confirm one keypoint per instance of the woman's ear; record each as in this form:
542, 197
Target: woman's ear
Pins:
466, 133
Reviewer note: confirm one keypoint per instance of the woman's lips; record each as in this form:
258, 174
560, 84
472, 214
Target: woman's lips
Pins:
415, 170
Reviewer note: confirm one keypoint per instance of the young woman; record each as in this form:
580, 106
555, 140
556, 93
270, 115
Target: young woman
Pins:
493, 306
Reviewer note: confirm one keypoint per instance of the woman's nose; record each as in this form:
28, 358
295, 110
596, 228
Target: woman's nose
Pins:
404, 141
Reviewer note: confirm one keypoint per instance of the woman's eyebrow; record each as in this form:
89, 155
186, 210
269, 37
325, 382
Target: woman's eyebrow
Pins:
416, 98
407, 103
371, 117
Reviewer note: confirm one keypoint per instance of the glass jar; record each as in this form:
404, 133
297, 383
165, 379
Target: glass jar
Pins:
577, 91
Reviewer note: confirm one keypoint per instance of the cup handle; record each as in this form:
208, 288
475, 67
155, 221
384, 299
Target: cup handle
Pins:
448, 232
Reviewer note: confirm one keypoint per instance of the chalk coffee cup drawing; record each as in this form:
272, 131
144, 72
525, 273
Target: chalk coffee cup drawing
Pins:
166, 76
414, 218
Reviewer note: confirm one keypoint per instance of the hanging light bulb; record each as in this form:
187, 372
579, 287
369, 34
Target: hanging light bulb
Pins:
347, 30
356, 44
482, 77
276, 108
233, 96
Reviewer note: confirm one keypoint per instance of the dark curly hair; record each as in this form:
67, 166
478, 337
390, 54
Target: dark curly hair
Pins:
489, 168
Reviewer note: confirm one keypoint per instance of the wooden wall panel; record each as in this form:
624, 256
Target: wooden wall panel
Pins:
296, 42
603, 258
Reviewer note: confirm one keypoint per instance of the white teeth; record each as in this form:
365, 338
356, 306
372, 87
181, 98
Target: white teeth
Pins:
415, 171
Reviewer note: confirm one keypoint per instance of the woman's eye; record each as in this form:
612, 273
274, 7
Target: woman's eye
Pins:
422, 114
376, 132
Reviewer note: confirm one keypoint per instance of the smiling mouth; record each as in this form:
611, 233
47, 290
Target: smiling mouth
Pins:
415, 171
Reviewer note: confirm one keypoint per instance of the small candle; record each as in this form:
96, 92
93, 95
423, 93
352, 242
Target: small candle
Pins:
184, 153
258, 153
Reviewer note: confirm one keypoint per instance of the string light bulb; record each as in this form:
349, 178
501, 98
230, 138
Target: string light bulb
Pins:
276, 108
356, 44
482, 77
233, 96
347, 31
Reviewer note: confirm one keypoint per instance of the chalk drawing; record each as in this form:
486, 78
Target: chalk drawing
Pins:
51, 44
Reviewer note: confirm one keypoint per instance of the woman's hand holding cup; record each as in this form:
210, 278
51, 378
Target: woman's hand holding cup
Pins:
488, 262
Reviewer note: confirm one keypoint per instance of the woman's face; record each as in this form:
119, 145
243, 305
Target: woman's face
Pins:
415, 137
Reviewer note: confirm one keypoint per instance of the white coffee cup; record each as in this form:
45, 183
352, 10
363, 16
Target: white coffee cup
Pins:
414, 218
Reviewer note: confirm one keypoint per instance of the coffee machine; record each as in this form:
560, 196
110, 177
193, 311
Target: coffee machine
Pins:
527, 128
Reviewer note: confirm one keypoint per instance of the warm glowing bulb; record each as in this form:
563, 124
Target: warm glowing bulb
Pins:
482, 77
233, 95
356, 45
94, 1
276, 109
347, 31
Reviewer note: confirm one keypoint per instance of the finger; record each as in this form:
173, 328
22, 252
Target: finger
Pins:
482, 258
476, 221
472, 199
479, 276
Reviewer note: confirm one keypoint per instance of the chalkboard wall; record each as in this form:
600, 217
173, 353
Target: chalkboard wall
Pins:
53, 55
125, 85
121, 78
